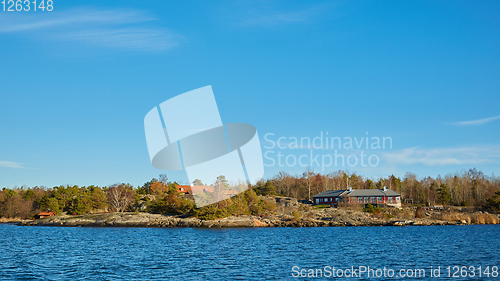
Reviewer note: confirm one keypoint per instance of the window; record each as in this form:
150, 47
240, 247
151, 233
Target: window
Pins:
360, 199
372, 199
366, 199
397, 198
317, 200
379, 199
390, 200
336, 199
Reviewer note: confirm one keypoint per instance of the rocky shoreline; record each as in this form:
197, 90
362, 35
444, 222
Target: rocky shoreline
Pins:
156, 220
289, 212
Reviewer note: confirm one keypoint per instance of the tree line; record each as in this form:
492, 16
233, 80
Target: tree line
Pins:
469, 188
155, 196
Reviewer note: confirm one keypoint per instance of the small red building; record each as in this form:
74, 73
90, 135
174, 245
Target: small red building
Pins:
42, 215
194, 189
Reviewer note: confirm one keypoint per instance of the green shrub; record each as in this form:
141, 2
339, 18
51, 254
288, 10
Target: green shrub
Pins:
239, 206
369, 208
211, 212
172, 205
315, 207
266, 189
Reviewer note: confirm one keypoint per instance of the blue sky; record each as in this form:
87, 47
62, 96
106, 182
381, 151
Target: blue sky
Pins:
77, 82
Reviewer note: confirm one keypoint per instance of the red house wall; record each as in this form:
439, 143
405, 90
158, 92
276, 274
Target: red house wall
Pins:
353, 200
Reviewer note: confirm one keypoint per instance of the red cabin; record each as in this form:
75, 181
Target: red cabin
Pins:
194, 189
42, 215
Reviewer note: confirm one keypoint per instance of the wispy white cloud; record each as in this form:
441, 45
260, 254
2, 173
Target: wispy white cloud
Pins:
71, 17
259, 18
10, 164
126, 29
443, 156
130, 38
476, 122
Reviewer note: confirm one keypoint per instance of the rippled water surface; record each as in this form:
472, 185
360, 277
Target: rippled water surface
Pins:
79, 253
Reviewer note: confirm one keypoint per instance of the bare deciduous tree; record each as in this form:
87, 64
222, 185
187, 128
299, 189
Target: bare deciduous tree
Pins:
120, 196
308, 175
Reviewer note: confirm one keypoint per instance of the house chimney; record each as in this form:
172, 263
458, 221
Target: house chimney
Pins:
350, 188
192, 184
385, 188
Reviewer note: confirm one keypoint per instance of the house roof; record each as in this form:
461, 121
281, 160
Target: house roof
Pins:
330, 193
195, 188
390, 192
357, 192
183, 188
202, 188
46, 214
